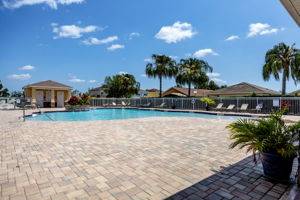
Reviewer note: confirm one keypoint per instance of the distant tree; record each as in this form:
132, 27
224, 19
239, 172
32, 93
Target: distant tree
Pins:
162, 67
17, 94
212, 85
282, 59
223, 86
192, 71
3, 91
121, 85
75, 92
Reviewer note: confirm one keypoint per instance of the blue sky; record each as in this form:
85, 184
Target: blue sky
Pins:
79, 42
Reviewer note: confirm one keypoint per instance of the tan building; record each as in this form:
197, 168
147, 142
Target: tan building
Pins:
183, 92
98, 92
242, 89
152, 93
295, 93
293, 7
48, 94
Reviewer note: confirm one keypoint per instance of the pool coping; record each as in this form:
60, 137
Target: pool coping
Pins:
161, 110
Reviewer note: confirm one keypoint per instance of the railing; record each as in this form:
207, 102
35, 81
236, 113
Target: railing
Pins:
268, 103
9, 103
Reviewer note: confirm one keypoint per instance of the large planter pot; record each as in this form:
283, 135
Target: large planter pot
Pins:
77, 108
277, 167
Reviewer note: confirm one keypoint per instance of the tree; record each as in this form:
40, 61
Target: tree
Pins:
212, 85
3, 91
17, 94
282, 59
162, 67
121, 85
192, 71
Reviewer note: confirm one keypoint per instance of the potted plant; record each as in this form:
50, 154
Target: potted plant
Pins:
208, 102
272, 139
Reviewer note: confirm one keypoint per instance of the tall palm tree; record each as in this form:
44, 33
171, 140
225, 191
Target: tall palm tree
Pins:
285, 59
192, 71
162, 67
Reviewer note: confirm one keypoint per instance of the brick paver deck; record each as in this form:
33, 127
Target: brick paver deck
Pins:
150, 158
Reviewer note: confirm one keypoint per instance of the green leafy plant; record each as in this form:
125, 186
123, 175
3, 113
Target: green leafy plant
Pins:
208, 100
265, 135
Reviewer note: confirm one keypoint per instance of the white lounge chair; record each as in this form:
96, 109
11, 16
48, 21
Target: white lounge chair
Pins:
219, 106
244, 107
113, 104
230, 107
161, 105
123, 103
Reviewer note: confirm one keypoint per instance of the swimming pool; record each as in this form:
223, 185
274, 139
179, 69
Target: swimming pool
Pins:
112, 114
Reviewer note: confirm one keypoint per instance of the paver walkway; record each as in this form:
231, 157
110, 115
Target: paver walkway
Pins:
240, 181
150, 158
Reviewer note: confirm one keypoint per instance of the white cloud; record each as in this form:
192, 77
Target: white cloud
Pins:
54, 24
122, 73
115, 47
233, 37
148, 60
96, 41
217, 80
74, 79
12, 4
204, 52
27, 67
92, 81
20, 76
134, 34
173, 57
261, 29
188, 55
175, 33
213, 74
72, 31
143, 75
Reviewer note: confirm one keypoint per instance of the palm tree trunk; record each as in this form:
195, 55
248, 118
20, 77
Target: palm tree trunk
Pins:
284, 74
160, 86
189, 94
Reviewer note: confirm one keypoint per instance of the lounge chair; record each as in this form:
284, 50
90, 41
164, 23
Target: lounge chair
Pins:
146, 105
113, 104
219, 106
163, 105
230, 107
123, 103
244, 107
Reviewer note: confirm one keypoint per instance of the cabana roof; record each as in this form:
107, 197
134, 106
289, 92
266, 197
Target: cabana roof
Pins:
48, 84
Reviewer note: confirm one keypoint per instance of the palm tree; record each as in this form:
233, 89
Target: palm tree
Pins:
285, 59
162, 67
192, 71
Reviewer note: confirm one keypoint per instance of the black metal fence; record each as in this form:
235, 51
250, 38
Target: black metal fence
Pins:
268, 103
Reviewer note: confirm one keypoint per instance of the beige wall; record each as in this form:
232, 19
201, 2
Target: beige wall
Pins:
30, 93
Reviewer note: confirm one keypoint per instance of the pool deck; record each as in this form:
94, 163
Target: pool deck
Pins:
145, 158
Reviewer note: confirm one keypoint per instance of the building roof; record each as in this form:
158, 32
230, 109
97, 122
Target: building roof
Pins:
152, 90
293, 7
292, 93
243, 88
185, 91
48, 84
97, 89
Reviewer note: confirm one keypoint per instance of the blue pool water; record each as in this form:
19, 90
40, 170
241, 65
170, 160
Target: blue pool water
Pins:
111, 114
